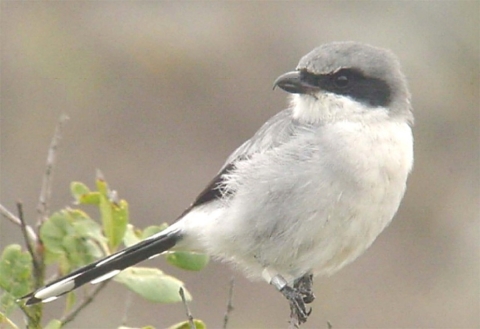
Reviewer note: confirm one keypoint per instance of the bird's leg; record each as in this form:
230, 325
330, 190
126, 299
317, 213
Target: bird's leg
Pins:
296, 299
304, 285
298, 310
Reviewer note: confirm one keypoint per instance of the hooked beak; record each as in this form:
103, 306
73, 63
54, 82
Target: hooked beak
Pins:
295, 83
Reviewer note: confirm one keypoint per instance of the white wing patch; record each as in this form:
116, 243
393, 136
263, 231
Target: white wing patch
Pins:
106, 276
56, 289
108, 259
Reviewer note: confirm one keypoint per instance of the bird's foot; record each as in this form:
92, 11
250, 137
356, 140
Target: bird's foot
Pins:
304, 286
296, 299
298, 296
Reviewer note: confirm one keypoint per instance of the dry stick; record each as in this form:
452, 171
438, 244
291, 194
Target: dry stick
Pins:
189, 315
10, 323
15, 220
11, 217
30, 237
46, 190
229, 303
85, 301
28, 242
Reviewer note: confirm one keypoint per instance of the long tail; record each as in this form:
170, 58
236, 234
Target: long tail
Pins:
107, 267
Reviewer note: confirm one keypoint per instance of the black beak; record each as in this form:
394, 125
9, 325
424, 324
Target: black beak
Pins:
295, 83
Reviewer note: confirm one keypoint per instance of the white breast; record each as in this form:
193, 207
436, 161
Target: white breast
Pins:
316, 202
372, 154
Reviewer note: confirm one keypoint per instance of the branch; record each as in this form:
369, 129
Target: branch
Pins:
46, 190
85, 301
15, 220
189, 315
9, 322
28, 242
229, 303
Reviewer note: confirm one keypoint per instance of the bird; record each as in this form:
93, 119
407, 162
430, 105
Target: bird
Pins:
309, 192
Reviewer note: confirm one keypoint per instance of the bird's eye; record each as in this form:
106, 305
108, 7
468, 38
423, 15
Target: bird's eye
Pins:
341, 81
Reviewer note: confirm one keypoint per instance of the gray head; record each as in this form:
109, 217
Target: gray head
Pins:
366, 74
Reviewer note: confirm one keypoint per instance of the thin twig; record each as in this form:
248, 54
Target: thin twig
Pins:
229, 303
11, 217
15, 220
85, 301
28, 242
187, 310
9, 322
46, 190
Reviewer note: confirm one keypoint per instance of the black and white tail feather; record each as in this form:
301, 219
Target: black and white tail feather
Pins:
107, 267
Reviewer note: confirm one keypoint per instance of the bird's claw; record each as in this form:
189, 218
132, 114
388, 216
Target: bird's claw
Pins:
297, 302
304, 286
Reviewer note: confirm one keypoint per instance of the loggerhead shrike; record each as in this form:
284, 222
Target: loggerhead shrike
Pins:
309, 192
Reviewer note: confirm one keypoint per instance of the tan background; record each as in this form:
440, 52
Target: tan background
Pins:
160, 93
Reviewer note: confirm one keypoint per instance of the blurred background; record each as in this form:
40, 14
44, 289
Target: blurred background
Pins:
159, 94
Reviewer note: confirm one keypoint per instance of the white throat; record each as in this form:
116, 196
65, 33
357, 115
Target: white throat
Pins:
327, 107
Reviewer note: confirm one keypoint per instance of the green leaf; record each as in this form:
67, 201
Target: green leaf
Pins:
120, 219
88, 228
152, 284
7, 303
83, 195
102, 185
90, 198
53, 232
78, 189
187, 260
153, 229
107, 221
15, 271
54, 324
114, 218
132, 236
68, 237
76, 214
199, 324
